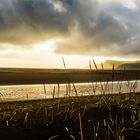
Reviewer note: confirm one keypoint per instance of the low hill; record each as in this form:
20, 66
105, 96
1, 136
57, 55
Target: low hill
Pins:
108, 64
129, 66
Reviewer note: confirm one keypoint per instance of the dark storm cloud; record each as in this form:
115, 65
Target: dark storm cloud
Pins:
87, 27
116, 30
26, 21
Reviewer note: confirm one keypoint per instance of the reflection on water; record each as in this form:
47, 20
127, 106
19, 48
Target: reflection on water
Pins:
28, 92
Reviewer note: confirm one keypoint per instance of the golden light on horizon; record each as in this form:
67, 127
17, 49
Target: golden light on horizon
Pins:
72, 61
42, 55
39, 33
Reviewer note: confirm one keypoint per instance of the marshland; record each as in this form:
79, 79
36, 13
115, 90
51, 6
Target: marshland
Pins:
67, 108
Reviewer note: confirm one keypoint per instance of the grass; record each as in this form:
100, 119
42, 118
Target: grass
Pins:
95, 117
107, 116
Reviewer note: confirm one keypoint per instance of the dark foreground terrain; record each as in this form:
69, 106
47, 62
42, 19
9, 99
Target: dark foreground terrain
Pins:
104, 117
17, 76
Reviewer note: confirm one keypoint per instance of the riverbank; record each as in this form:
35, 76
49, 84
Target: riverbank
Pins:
89, 117
21, 76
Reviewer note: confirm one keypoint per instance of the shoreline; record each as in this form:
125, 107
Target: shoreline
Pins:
28, 101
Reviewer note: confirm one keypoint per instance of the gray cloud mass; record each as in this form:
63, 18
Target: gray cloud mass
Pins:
88, 27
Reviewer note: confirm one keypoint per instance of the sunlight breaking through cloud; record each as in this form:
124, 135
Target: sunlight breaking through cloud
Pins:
74, 27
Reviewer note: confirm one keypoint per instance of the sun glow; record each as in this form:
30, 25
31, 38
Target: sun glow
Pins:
43, 55
46, 51
47, 46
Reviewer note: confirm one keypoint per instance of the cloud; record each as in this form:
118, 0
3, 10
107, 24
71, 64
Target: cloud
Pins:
91, 27
29, 21
110, 30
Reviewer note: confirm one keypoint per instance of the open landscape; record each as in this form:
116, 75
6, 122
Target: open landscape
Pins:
69, 69
103, 115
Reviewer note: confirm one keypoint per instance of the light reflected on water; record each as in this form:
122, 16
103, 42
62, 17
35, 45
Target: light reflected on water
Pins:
30, 92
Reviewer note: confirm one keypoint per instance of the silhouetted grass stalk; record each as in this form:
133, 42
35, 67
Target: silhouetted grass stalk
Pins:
81, 130
45, 90
75, 90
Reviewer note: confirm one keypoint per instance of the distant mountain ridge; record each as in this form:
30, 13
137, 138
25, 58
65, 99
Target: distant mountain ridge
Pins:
129, 66
108, 64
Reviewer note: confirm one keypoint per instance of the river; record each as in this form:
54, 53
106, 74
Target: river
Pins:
31, 92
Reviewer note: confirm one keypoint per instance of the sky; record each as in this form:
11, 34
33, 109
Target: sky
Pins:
38, 33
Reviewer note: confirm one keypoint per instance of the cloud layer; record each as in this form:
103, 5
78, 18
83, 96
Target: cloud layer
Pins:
85, 27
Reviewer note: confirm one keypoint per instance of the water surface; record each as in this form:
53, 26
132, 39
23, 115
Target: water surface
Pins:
30, 92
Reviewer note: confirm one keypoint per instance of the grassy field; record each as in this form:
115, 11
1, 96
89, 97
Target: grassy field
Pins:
93, 117
104, 117
14, 76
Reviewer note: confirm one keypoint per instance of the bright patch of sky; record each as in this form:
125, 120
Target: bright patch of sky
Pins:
126, 3
58, 6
